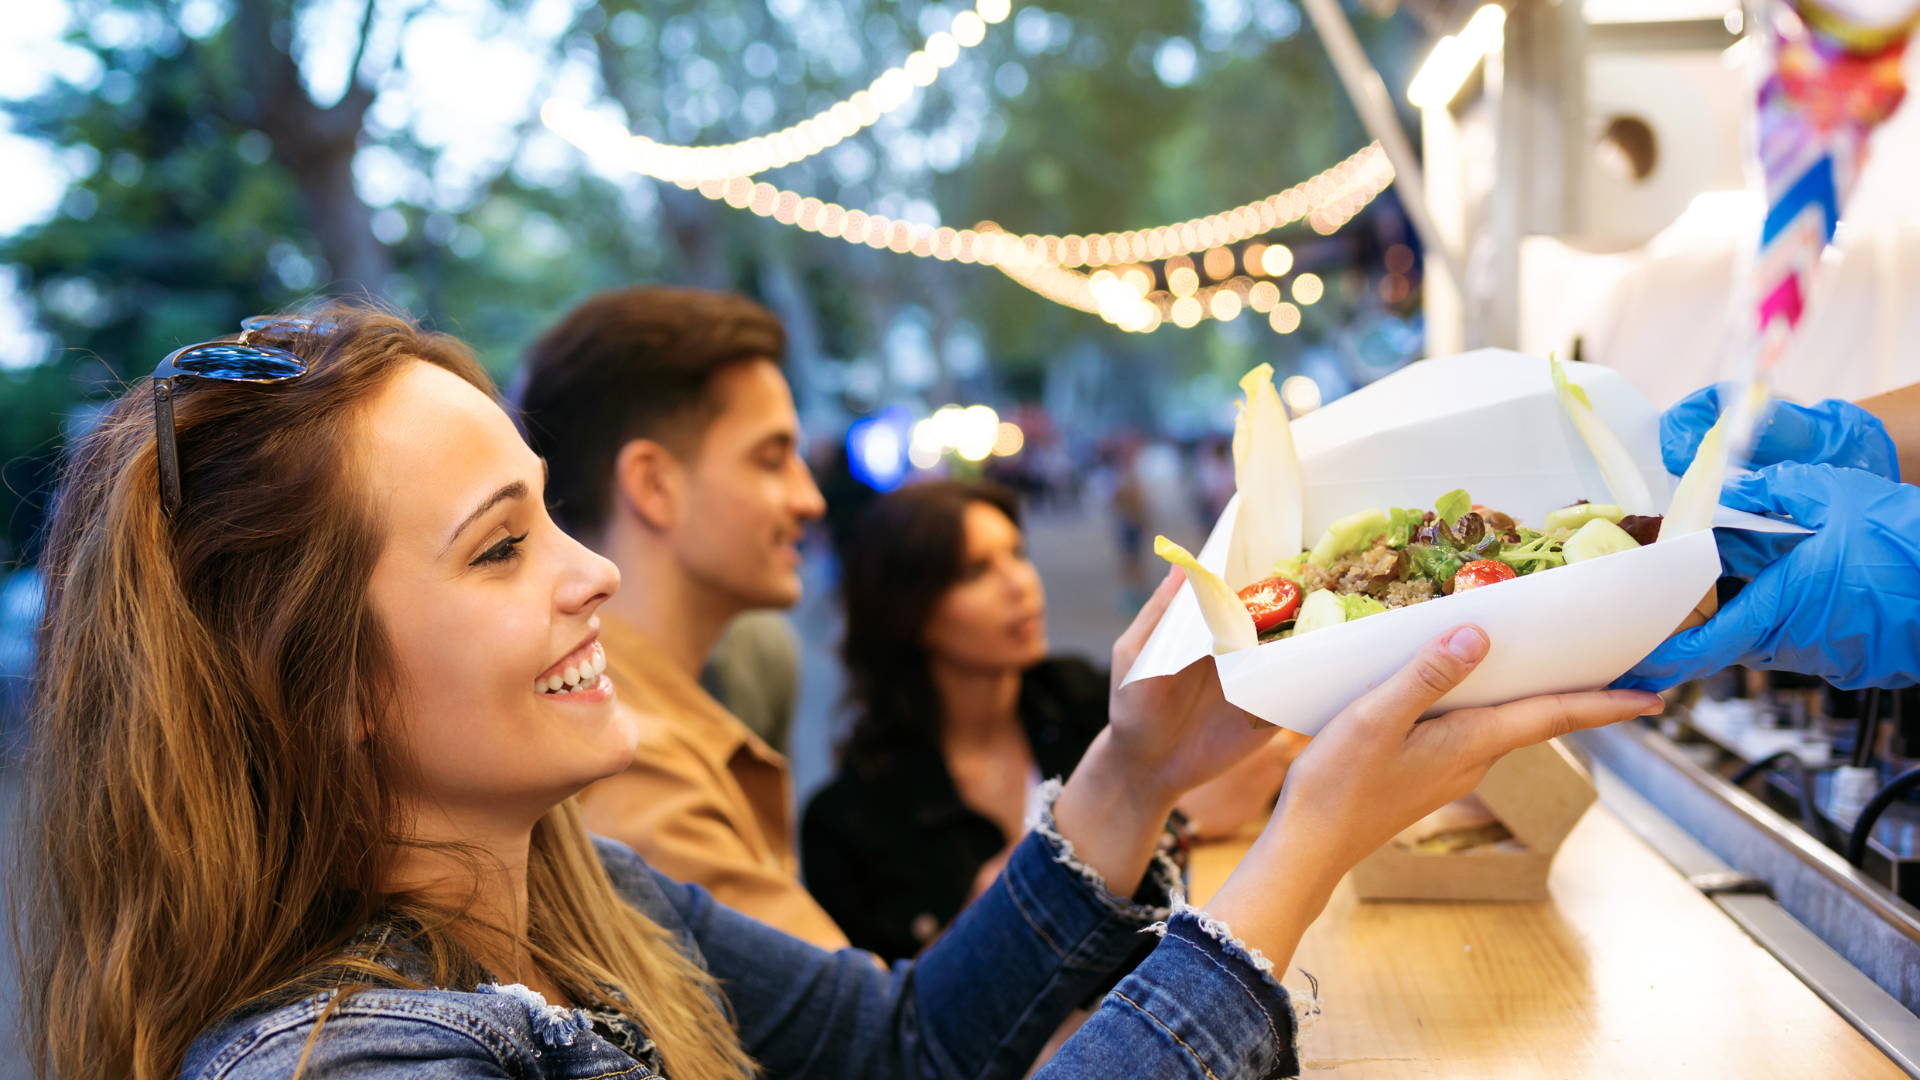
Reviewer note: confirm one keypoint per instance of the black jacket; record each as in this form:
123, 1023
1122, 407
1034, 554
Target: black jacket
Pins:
893, 857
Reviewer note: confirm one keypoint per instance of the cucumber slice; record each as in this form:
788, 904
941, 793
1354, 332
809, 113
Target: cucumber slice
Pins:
1596, 538
1572, 517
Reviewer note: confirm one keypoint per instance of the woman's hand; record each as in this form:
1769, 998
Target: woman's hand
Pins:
1175, 732
1374, 770
1164, 736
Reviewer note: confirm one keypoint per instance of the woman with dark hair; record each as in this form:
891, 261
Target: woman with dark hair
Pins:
961, 717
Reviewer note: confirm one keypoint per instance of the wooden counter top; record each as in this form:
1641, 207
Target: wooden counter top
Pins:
1628, 972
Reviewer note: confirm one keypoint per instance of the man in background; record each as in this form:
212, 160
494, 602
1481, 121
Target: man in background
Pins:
672, 448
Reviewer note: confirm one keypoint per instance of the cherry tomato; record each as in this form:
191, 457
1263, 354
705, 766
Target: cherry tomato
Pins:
1270, 602
1482, 572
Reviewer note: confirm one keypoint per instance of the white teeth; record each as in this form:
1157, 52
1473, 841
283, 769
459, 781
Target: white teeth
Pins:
571, 676
599, 661
539, 686
553, 682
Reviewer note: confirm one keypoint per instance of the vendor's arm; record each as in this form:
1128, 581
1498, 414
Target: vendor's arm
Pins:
1843, 603
1834, 432
1899, 412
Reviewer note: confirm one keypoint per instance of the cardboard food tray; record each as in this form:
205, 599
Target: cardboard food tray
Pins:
1486, 421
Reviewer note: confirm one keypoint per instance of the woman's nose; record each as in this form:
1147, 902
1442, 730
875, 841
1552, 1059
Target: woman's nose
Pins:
590, 580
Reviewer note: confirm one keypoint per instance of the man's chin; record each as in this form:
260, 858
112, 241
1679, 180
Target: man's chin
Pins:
781, 593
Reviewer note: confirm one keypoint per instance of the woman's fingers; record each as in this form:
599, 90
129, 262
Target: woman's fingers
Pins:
1488, 733
1439, 666
1130, 643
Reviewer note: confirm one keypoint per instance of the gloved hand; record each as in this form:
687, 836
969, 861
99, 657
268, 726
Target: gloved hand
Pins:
1843, 604
1837, 433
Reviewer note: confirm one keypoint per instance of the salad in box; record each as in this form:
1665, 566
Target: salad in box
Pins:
1503, 490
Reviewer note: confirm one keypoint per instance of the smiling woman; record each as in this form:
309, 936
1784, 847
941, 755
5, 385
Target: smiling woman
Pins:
300, 796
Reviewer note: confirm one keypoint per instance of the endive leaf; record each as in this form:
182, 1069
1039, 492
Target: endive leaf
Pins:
1622, 476
1226, 615
1698, 493
1267, 473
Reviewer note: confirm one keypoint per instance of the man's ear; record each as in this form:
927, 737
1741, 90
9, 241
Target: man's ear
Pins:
650, 481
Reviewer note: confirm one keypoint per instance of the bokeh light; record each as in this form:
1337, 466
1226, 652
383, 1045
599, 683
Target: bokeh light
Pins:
1263, 296
1226, 305
1219, 263
1010, 439
1276, 260
877, 448
1285, 318
1308, 288
1301, 394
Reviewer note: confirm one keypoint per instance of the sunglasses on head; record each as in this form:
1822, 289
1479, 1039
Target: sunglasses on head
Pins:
241, 360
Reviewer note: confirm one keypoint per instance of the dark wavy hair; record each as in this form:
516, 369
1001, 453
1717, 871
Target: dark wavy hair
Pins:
902, 554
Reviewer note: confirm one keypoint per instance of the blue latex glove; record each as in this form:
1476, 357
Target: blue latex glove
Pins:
1837, 433
1843, 604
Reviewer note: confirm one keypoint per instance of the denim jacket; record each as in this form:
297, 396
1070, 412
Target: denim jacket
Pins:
978, 1005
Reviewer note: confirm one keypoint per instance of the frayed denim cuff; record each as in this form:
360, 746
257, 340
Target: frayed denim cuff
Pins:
1217, 997
1152, 902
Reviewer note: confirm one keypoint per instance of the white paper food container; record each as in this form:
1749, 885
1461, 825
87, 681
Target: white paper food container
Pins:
1486, 421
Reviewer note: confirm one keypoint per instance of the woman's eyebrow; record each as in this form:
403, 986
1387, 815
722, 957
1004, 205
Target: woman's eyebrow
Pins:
515, 490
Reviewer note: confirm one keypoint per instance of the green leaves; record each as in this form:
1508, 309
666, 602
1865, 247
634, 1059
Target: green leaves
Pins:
1453, 506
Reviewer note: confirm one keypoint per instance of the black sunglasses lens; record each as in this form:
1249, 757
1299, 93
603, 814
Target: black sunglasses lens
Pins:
241, 363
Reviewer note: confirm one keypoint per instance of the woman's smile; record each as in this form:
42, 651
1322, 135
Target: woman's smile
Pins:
579, 675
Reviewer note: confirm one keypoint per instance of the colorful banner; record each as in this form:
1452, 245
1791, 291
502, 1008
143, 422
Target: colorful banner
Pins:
1835, 76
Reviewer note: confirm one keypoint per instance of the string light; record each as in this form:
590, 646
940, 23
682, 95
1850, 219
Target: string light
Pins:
689, 165
1308, 289
1285, 318
1044, 263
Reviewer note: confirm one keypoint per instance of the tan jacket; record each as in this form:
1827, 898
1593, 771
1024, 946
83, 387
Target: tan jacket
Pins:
705, 799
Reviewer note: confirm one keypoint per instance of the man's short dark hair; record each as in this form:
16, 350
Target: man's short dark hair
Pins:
632, 364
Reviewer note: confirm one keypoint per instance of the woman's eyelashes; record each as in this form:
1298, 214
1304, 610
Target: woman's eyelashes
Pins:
504, 550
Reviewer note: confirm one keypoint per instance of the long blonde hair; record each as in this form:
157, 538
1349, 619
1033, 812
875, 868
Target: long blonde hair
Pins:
202, 831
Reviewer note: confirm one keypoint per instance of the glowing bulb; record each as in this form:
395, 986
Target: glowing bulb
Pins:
1301, 394
1219, 263
922, 69
1186, 312
943, 49
994, 11
1308, 288
969, 29
1285, 318
1276, 260
1138, 280
979, 429
1008, 441
1183, 281
923, 457
1263, 296
943, 427
1226, 305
